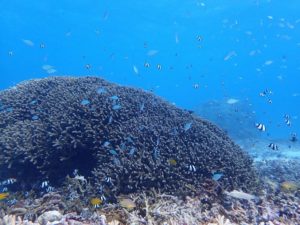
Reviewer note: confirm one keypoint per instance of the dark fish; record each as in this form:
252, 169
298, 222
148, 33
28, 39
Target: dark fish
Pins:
265, 93
103, 198
45, 184
273, 146
49, 189
8, 181
293, 137
287, 120
196, 86
107, 179
260, 126
192, 168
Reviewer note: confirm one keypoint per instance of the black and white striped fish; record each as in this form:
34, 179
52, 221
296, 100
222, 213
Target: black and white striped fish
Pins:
49, 189
107, 179
260, 126
192, 168
273, 146
8, 181
103, 198
45, 184
287, 120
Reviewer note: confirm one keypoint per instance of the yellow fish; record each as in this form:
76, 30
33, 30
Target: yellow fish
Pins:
127, 203
172, 162
3, 195
96, 202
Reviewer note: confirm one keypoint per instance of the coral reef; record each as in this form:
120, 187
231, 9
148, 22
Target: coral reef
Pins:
122, 139
207, 207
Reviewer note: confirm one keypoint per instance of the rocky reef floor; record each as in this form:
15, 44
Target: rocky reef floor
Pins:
278, 202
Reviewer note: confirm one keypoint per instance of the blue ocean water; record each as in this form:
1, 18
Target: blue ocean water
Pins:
188, 52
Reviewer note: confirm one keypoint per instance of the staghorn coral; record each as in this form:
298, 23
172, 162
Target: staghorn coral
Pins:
122, 138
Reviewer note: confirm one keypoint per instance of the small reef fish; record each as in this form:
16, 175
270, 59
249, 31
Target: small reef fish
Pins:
28, 42
88, 66
273, 146
265, 93
217, 176
135, 69
51, 71
159, 67
8, 181
152, 52
187, 126
196, 86
287, 120
103, 198
47, 67
75, 172
260, 126
42, 45
45, 184
268, 62
172, 162
116, 107
107, 179
85, 102
199, 38
114, 97
132, 151
127, 203
156, 152
106, 144
232, 101
3, 195
96, 202
113, 152
241, 195
192, 168
293, 137
142, 107
101, 90
146, 64
49, 189
230, 55
5, 189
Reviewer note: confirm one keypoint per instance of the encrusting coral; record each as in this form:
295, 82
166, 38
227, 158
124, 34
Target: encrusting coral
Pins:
123, 139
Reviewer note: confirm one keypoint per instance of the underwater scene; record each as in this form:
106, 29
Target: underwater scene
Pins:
153, 112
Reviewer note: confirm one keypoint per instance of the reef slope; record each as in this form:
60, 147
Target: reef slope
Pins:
123, 138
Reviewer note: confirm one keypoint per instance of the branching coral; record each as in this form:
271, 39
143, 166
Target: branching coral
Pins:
123, 138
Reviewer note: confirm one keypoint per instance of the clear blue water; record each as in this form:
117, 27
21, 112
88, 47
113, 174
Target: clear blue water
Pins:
116, 38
